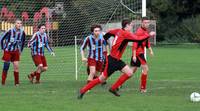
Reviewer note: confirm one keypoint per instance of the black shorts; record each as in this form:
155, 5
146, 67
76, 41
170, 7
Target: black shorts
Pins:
112, 65
140, 60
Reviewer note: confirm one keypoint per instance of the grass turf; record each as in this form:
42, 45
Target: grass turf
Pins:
174, 75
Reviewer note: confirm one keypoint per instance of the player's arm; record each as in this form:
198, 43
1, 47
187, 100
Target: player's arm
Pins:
48, 47
134, 48
3, 38
110, 33
32, 40
83, 46
105, 48
23, 41
148, 45
138, 38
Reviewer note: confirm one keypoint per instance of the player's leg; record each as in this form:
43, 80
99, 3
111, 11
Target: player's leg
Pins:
38, 73
100, 79
91, 69
127, 73
143, 79
92, 73
6, 64
16, 72
15, 58
44, 63
38, 62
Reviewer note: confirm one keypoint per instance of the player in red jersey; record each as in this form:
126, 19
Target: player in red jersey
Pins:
138, 58
12, 44
113, 61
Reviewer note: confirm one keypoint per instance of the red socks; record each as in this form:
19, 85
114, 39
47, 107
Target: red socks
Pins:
3, 77
120, 81
16, 77
37, 77
90, 85
33, 74
143, 81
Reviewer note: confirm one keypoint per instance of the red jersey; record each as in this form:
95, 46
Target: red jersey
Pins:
140, 46
121, 39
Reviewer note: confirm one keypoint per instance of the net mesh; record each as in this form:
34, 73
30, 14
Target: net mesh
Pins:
65, 19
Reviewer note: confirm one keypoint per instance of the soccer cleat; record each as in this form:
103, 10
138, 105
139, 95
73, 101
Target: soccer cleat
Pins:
30, 78
37, 82
80, 95
114, 92
143, 90
103, 84
17, 85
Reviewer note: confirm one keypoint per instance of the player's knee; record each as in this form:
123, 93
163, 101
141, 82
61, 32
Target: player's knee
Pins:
6, 66
44, 68
129, 73
145, 70
92, 72
102, 78
134, 70
40, 67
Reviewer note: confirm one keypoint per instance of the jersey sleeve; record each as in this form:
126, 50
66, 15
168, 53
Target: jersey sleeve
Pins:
85, 43
134, 45
136, 38
23, 41
47, 45
4, 37
110, 33
148, 43
32, 40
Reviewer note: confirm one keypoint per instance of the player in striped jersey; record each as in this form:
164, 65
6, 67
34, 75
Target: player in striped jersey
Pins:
37, 44
96, 51
12, 44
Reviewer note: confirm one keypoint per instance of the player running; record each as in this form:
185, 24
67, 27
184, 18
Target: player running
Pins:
113, 61
138, 58
96, 51
37, 44
12, 44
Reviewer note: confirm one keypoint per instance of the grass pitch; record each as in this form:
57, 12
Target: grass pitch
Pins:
174, 75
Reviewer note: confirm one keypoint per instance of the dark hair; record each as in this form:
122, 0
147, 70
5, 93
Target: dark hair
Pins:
95, 26
145, 18
40, 25
125, 22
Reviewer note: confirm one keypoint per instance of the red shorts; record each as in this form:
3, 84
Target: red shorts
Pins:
98, 64
11, 56
37, 59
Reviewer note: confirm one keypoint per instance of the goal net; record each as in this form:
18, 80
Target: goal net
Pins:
68, 23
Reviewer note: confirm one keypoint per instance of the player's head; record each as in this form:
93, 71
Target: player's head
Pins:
127, 24
18, 24
42, 28
145, 22
96, 29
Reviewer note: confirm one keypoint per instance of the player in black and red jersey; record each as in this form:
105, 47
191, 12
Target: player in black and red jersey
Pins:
138, 58
113, 61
